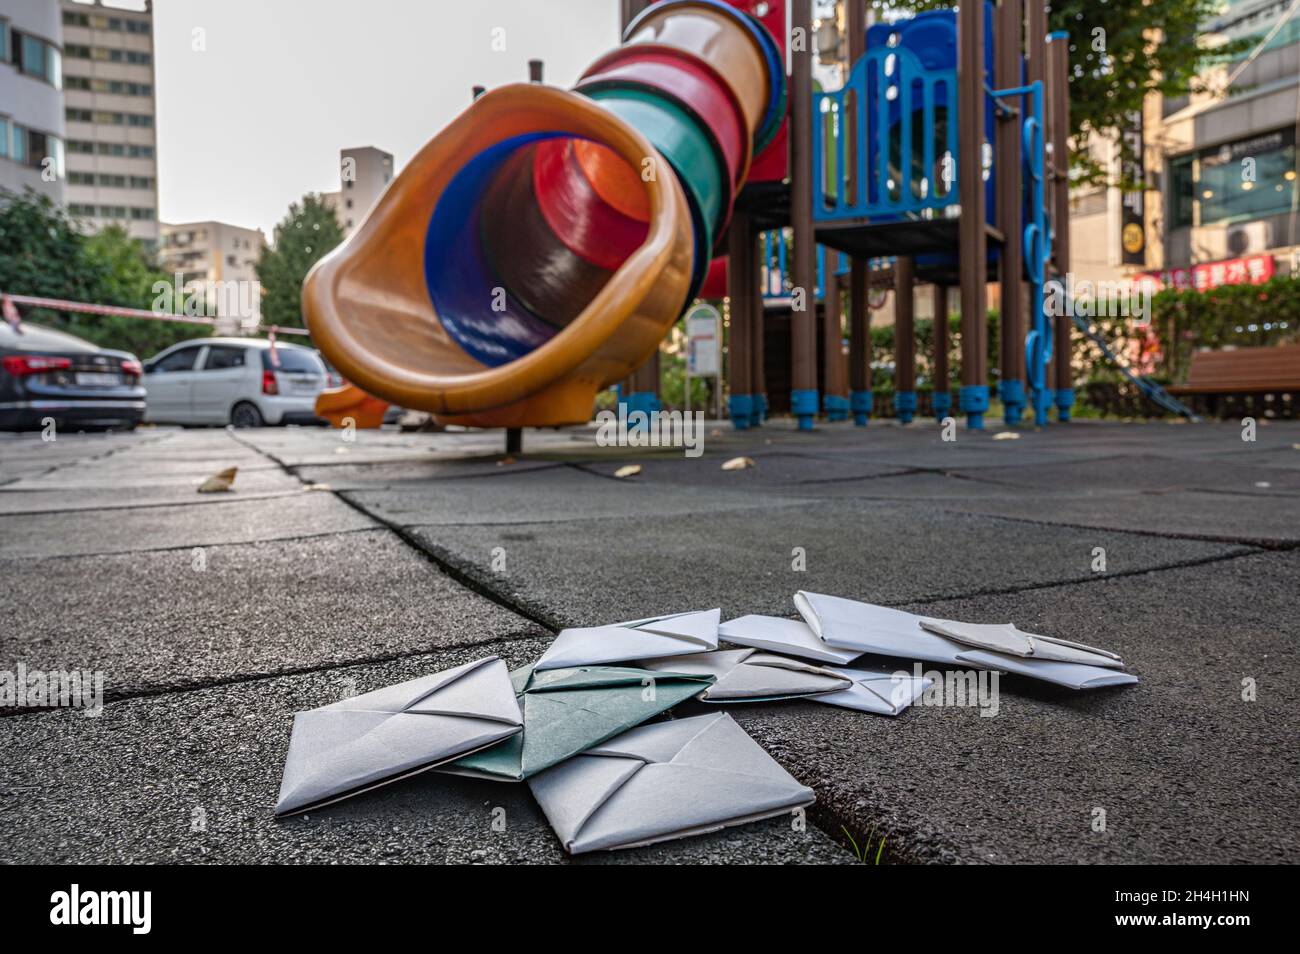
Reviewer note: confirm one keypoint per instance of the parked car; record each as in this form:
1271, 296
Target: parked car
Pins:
51, 374
239, 381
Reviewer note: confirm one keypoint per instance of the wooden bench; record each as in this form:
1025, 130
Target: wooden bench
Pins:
1273, 372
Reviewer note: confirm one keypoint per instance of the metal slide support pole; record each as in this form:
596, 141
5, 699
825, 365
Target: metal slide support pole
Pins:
859, 274
941, 400
758, 374
1011, 360
742, 284
904, 339
803, 330
972, 233
1058, 66
836, 402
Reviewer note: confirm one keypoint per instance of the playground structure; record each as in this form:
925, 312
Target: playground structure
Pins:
540, 247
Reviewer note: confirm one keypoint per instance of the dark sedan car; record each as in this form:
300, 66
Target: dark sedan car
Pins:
49, 374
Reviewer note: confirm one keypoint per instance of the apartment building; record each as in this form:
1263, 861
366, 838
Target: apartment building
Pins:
109, 103
221, 260
32, 151
1222, 200
364, 174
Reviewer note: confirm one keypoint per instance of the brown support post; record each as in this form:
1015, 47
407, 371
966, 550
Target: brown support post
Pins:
859, 313
905, 338
1058, 65
758, 375
941, 398
1011, 361
803, 330
859, 343
972, 234
742, 284
643, 383
835, 400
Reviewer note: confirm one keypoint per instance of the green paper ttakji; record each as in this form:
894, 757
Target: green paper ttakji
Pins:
567, 711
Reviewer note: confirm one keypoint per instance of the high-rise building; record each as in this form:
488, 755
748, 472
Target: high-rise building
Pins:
364, 174
218, 258
31, 97
109, 103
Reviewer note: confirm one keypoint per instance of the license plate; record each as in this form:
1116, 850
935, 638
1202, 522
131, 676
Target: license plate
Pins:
98, 379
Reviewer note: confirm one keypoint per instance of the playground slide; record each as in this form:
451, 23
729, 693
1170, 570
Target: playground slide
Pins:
539, 248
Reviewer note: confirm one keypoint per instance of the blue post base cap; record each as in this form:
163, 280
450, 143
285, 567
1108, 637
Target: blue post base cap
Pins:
760, 410
1013, 400
803, 404
905, 405
860, 403
974, 400
837, 408
1064, 401
941, 404
741, 407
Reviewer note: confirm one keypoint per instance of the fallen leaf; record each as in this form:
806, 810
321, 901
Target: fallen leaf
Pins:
627, 470
220, 482
738, 463
1264, 484
341, 450
505, 461
311, 487
1006, 436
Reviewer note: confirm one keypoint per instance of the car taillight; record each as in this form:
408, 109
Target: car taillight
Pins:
268, 383
22, 364
132, 368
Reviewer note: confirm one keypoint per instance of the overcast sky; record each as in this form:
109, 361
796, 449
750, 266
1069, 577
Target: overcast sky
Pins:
257, 119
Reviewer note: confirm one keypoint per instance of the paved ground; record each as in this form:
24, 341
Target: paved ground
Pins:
339, 567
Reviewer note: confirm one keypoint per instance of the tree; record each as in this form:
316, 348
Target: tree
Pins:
1120, 51
44, 253
303, 238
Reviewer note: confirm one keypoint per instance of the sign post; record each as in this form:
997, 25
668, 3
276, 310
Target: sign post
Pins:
703, 358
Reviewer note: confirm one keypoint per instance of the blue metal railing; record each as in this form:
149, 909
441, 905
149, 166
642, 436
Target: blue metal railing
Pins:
776, 281
888, 87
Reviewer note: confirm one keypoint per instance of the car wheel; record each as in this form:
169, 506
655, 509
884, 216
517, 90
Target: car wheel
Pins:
244, 414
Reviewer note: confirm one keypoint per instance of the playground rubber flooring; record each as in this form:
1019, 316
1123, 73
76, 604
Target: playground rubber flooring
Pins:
337, 567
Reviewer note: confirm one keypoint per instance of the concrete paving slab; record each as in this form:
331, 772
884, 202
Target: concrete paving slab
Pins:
1184, 769
164, 620
587, 572
551, 496
1262, 519
233, 520
1146, 472
193, 777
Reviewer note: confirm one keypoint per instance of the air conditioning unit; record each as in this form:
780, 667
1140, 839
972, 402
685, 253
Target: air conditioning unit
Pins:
1211, 242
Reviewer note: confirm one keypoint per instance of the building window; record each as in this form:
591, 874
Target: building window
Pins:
81, 178
1248, 179
4, 138
81, 209
77, 51
140, 214
36, 57
4, 40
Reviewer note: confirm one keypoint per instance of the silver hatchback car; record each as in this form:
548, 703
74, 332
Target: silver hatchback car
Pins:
239, 381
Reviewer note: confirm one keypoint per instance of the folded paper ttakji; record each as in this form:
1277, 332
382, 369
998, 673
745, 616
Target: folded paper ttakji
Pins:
665, 780
651, 638
348, 747
876, 691
792, 637
567, 711
867, 628
748, 675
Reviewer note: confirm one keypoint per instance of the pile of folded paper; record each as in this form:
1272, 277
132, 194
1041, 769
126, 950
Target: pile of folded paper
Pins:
572, 725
